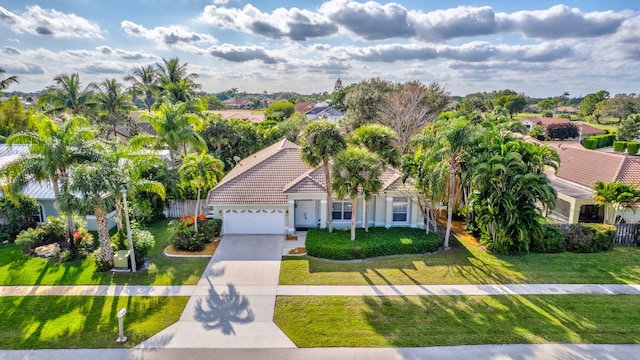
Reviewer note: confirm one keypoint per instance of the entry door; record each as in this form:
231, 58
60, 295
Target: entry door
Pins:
306, 214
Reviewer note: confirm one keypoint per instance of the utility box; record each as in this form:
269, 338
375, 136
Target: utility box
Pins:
121, 260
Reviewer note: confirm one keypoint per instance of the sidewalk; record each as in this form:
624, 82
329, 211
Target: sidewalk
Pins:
326, 290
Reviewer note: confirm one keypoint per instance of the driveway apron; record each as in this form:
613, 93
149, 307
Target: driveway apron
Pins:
233, 304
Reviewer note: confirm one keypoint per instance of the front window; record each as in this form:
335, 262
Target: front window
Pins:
341, 210
400, 209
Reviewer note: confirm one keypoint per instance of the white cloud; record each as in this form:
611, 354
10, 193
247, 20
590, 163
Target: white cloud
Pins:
168, 36
370, 20
42, 22
295, 24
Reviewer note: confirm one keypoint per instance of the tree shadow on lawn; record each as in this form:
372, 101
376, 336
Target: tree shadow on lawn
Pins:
455, 320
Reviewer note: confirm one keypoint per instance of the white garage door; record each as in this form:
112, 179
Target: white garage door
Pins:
266, 221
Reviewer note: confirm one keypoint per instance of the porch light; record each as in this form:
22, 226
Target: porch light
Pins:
286, 213
220, 213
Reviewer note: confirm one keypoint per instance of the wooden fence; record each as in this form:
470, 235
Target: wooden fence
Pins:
178, 208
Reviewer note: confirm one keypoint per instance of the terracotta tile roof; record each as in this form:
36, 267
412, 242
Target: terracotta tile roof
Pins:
268, 176
584, 166
248, 115
260, 178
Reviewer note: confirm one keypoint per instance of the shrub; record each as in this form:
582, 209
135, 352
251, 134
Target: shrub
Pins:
208, 229
142, 211
590, 143
377, 242
19, 212
183, 236
551, 241
590, 238
633, 147
29, 239
101, 265
619, 146
143, 242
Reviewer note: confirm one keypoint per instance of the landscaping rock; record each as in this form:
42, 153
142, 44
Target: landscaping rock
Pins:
48, 251
5, 242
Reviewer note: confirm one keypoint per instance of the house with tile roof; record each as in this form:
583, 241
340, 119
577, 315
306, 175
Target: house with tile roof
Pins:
580, 168
42, 191
274, 192
325, 112
586, 130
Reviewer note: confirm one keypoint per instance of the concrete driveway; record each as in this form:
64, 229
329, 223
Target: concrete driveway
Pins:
233, 304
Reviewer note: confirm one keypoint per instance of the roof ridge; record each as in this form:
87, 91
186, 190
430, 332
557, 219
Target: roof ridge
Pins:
267, 152
304, 176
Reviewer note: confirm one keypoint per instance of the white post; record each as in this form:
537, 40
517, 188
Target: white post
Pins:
126, 212
121, 339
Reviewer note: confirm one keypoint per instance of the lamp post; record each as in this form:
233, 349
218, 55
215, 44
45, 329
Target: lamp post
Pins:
126, 214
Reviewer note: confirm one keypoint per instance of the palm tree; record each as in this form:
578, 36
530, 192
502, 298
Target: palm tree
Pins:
94, 182
201, 172
131, 161
144, 80
321, 140
4, 83
450, 146
172, 72
380, 140
112, 100
52, 151
356, 171
68, 94
618, 196
174, 128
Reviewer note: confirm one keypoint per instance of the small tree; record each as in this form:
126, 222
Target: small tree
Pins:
200, 172
356, 171
279, 110
562, 131
628, 129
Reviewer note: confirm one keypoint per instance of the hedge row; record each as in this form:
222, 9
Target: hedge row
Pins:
632, 147
599, 141
377, 242
579, 238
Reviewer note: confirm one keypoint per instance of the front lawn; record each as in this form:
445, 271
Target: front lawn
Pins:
377, 242
70, 322
468, 263
458, 320
17, 268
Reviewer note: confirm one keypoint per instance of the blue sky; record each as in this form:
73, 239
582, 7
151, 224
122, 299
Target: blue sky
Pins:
541, 48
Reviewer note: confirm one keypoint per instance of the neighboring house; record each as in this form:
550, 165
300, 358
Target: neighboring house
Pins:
234, 103
586, 130
42, 191
580, 168
325, 112
275, 192
247, 115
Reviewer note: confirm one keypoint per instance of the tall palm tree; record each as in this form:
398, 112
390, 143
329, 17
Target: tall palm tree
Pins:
378, 139
450, 146
144, 80
112, 100
4, 83
172, 72
356, 171
67, 93
131, 161
52, 151
321, 140
93, 183
174, 128
201, 172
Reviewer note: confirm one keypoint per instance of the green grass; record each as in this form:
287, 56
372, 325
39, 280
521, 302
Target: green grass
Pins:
458, 320
466, 263
17, 268
54, 322
377, 242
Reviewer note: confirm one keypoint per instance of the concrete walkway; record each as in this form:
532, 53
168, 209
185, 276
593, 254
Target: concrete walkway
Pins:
232, 306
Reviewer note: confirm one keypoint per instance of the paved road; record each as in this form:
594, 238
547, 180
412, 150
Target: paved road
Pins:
479, 352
